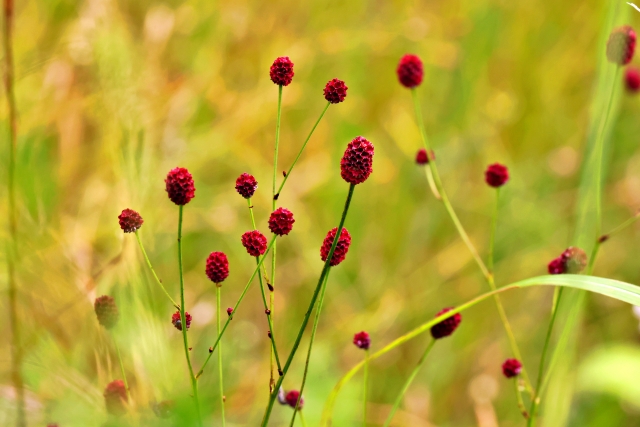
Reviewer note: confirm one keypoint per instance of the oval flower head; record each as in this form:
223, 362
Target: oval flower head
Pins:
357, 162
179, 186
410, 71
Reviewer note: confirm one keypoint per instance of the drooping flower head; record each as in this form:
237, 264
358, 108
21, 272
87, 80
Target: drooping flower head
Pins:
130, 220
342, 247
292, 399
357, 162
422, 158
106, 311
115, 398
632, 79
362, 340
254, 242
217, 268
335, 91
246, 185
496, 175
621, 45
447, 326
572, 261
177, 322
179, 186
281, 221
511, 368
281, 71
410, 71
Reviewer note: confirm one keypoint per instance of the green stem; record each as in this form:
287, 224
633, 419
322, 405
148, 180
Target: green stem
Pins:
407, 383
218, 290
185, 340
492, 238
523, 409
253, 224
465, 238
313, 336
235, 307
296, 344
158, 281
124, 375
302, 420
365, 386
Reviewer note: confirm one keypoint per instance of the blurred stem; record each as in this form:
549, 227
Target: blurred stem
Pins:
302, 421
194, 384
296, 344
465, 238
158, 281
12, 245
218, 290
492, 238
523, 409
235, 307
313, 336
407, 383
253, 224
365, 386
124, 375
432, 184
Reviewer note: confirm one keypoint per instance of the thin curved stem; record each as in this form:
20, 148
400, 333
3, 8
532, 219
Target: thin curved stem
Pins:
124, 375
492, 238
523, 409
296, 344
158, 281
365, 387
407, 383
220, 376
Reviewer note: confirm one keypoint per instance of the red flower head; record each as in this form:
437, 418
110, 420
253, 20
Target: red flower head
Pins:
229, 311
335, 91
447, 326
177, 322
557, 266
246, 185
511, 368
106, 311
496, 175
422, 158
362, 340
115, 398
281, 71
130, 220
572, 261
632, 79
341, 248
410, 71
292, 399
180, 186
357, 162
254, 242
281, 221
217, 267
621, 45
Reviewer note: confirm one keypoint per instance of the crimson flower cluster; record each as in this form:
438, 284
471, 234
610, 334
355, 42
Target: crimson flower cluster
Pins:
342, 247
177, 321
335, 91
246, 185
281, 222
511, 368
217, 268
130, 220
115, 397
423, 158
291, 398
496, 175
179, 186
572, 261
357, 162
362, 340
447, 326
281, 72
410, 71
254, 242
621, 45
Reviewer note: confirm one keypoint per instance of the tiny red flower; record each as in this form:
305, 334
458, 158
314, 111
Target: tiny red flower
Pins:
246, 185
621, 45
335, 91
447, 326
496, 175
106, 311
115, 397
342, 246
217, 267
422, 158
179, 186
357, 162
362, 340
130, 220
410, 71
292, 399
575, 259
254, 242
281, 221
557, 266
177, 322
511, 368
632, 79
229, 311
281, 71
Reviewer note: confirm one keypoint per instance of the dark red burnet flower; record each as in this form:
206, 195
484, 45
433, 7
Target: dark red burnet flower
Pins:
621, 45
281, 221
229, 311
292, 399
447, 326
496, 175
511, 368
130, 220
177, 322
179, 186
362, 340
556, 266
342, 247
572, 261
115, 398
246, 185
632, 79
281, 72
254, 242
410, 71
217, 268
106, 311
335, 91
357, 162
422, 158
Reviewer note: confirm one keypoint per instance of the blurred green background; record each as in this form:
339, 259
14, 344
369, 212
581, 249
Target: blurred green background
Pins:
112, 94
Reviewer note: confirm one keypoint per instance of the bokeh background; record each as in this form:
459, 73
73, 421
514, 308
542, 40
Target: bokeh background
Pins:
112, 94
